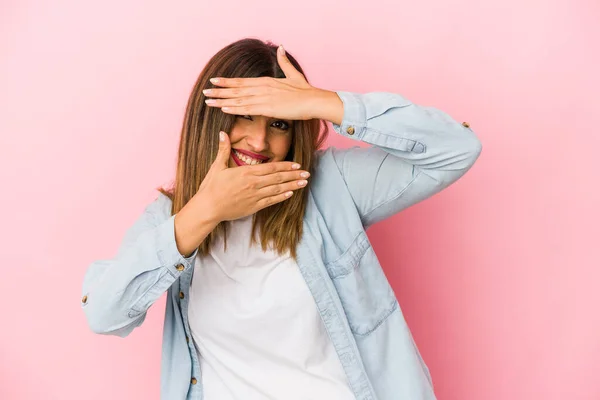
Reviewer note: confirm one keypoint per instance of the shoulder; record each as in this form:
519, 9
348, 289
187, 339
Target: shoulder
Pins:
331, 154
160, 207
328, 166
334, 158
324, 161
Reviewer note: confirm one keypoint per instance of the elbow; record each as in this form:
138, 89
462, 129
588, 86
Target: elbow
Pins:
98, 320
462, 159
477, 147
473, 146
104, 320
105, 312
98, 326
474, 151
467, 153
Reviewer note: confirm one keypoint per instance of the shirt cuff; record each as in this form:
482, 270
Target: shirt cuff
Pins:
354, 121
168, 254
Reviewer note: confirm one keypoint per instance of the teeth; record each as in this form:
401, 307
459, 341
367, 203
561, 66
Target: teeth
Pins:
246, 159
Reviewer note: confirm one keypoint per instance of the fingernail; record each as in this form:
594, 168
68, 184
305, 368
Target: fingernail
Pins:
214, 80
304, 174
302, 183
281, 50
295, 166
207, 91
221, 136
210, 101
288, 194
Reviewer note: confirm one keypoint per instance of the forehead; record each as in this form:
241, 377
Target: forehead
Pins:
270, 118
264, 119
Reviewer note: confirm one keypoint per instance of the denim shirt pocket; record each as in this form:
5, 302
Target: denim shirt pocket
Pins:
363, 288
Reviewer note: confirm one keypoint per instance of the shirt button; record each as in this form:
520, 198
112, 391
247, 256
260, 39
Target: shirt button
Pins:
181, 295
465, 124
84, 299
180, 267
194, 381
350, 130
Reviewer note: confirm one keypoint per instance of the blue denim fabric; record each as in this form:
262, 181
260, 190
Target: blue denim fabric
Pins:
416, 151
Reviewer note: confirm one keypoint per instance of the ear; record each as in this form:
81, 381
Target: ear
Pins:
287, 67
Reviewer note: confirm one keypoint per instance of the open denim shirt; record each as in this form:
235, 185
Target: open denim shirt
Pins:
416, 151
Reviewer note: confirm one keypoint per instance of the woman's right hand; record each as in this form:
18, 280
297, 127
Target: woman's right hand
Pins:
227, 194
233, 193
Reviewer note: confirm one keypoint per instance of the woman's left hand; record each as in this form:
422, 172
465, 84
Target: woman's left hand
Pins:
291, 97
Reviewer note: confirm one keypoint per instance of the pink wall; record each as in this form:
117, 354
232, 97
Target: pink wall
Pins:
498, 275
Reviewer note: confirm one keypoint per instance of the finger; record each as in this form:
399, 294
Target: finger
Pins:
235, 102
274, 190
286, 66
253, 109
280, 177
227, 93
273, 167
222, 159
239, 82
269, 201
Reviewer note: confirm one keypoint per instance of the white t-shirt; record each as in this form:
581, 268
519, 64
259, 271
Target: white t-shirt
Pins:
256, 326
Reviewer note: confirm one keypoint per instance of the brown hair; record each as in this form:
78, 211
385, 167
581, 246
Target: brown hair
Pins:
281, 223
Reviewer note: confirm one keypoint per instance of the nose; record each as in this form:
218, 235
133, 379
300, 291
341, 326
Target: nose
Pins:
256, 138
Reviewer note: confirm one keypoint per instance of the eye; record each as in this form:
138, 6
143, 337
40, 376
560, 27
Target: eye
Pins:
284, 126
281, 125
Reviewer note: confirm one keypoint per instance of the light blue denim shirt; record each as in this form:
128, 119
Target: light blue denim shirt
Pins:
416, 151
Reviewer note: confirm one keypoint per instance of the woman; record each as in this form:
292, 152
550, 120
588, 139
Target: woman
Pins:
273, 289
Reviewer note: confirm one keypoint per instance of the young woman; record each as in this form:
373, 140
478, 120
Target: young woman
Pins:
273, 289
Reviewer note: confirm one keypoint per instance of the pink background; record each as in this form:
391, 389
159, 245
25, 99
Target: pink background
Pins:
498, 276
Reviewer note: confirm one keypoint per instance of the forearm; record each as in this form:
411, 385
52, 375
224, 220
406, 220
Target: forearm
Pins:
118, 291
416, 152
192, 226
422, 136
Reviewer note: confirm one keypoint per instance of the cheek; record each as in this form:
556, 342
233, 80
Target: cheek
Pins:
281, 145
235, 134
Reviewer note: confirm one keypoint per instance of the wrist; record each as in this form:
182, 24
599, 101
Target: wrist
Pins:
204, 210
328, 106
193, 223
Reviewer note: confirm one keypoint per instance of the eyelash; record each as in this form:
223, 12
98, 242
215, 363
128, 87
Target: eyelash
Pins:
287, 127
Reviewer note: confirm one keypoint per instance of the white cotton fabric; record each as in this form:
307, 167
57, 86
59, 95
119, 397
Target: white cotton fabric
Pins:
256, 327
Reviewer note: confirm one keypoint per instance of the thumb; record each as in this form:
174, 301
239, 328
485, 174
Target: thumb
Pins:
286, 66
222, 159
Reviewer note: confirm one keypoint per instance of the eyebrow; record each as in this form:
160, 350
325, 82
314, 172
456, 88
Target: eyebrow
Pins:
289, 121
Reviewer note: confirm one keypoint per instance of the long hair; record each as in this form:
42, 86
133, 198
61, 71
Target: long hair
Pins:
280, 224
